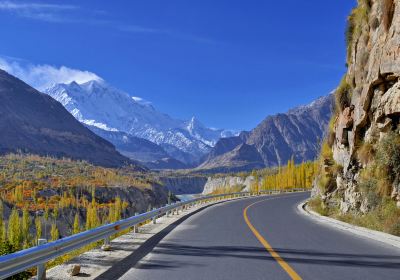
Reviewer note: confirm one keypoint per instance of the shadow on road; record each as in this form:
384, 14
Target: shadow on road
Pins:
290, 255
164, 255
119, 269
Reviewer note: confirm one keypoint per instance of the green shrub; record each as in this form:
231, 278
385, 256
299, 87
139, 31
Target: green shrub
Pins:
388, 155
316, 204
5, 249
369, 188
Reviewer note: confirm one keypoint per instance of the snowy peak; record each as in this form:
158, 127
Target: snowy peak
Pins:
98, 104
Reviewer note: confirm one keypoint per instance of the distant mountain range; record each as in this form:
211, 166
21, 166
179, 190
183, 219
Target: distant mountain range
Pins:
128, 121
33, 122
100, 114
274, 141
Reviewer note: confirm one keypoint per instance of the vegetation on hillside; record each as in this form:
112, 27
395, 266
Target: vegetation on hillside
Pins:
376, 162
286, 177
37, 192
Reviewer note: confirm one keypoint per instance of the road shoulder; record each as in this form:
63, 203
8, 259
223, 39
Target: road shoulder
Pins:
382, 237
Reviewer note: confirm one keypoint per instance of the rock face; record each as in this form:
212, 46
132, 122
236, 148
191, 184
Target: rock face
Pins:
215, 184
35, 123
373, 108
184, 184
274, 141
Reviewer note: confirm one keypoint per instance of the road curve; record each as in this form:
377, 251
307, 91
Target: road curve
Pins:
269, 240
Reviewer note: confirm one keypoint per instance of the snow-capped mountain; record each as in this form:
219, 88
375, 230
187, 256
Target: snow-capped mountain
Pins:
95, 103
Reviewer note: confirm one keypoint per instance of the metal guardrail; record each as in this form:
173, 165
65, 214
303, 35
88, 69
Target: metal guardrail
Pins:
37, 256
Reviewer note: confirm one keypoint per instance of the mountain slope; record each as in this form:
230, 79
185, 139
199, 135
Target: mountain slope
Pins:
276, 139
34, 122
131, 146
97, 104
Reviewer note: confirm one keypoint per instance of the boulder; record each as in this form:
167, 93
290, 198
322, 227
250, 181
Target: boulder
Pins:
74, 270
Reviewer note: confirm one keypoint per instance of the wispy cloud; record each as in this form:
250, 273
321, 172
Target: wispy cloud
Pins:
171, 33
38, 11
43, 76
138, 29
18, 6
64, 13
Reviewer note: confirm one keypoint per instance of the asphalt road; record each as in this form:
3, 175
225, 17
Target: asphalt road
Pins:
217, 243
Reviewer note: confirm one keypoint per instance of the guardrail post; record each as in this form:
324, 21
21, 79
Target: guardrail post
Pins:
136, 227
154, 218
41, 268
106, 246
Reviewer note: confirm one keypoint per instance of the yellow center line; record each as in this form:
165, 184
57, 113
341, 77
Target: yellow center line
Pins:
285, 266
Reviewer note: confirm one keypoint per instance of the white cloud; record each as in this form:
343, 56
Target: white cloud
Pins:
38, 11
11, 5
43, 76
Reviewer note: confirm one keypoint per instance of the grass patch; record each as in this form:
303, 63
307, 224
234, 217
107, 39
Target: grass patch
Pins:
355, 23
366, 153
385, 217
342, 95
316, 204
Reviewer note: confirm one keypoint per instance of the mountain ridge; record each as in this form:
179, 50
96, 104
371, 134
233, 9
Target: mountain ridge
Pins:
33, 122
276, 139
98, 104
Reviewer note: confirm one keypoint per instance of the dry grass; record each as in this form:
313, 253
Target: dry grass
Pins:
366, 153
343, 95
317, 205
355, 23
385, 217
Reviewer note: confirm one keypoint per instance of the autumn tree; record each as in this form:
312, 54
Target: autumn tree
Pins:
76, 228
14, 233
25, 227
54, 232
38, 226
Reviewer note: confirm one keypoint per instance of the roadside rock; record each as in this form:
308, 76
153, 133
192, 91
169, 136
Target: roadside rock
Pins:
374, 110
225, 183
74, 270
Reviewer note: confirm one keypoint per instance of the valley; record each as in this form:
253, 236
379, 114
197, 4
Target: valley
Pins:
224, 142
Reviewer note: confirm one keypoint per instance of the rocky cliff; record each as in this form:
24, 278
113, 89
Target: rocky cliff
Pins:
360, 160
227, 184
183, 184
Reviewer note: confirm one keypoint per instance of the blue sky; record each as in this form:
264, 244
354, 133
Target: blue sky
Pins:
228, 62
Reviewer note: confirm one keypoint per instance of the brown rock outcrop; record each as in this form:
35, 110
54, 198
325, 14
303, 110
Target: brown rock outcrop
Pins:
373, 74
